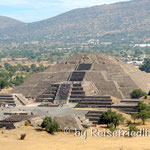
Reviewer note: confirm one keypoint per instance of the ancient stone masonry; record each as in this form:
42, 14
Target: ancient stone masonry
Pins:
126, 107
110, 75
7, 99
84, 67
12, 100
77, 76
9, 123
63, 91
94, 116
49, 94
95, 102
105, 76
77, 93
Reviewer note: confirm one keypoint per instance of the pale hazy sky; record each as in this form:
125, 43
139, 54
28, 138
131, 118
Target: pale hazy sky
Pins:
35, 10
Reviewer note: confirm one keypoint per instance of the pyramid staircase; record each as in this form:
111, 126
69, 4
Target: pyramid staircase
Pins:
84, 67
77, 93
63, 93
7, 99
77, 76
20, 99
95, 102
49, 94
78, 96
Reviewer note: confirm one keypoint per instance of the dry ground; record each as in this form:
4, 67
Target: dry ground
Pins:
5, 91
41, 140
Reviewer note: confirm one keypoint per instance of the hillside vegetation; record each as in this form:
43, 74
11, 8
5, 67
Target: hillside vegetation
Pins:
7, 23
125, 21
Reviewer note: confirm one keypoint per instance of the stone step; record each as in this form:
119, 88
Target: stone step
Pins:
95, 119
77, 88
76, 85
45, 100
77, 95
5, 95
6, 98
92, 106
92, 115
47, 96
77, 92
8, 102
96, 102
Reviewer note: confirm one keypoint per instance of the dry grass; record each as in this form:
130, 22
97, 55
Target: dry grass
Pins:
5, 91
41, 140
116, 100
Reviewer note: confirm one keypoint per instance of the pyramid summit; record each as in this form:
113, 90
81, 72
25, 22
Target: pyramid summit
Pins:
100, 74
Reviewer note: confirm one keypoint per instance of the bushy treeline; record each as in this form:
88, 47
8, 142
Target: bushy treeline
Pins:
114, 119
61, 51
111, 118
143, 112
15, 75
146, 66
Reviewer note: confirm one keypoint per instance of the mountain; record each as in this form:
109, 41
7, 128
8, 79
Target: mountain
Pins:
124, 21
6, 23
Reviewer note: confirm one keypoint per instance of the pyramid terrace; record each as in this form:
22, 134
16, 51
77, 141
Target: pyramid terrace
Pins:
85, 81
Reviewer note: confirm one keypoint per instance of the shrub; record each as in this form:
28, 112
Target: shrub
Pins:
134, 116
46, 122
137, 93
22, 136
111, 117
144, 115
27, 123
50, 125
149, 93
144, 111
142, 106
129, 122
132, 128
146, 66
145, 97
111, 127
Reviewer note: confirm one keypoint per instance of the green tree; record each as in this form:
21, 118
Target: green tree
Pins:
46, 122
144, 115
111, 117
134, 116
33, 66
128, 122
3, 83
142, 106
137, 93
50, 125
146, 66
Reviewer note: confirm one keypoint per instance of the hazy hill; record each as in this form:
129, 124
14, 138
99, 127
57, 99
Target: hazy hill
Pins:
6, 22
120, 21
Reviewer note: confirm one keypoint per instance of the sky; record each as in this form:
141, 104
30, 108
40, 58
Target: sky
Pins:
36, 10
